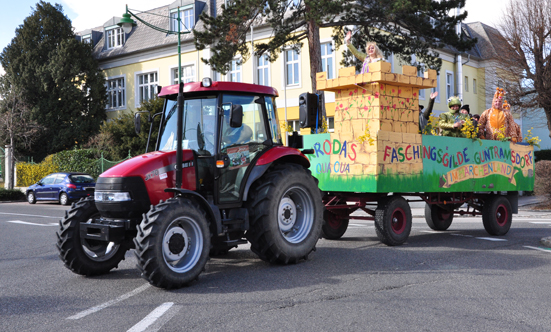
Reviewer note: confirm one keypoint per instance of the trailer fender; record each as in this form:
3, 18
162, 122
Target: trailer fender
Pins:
212, 210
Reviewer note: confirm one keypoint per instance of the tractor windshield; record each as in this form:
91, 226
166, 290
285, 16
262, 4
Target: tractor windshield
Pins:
198, 125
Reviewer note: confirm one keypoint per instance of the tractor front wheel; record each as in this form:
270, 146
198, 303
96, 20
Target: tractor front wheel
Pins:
173, 243
85, 256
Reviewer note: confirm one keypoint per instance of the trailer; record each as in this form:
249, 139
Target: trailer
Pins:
376, 160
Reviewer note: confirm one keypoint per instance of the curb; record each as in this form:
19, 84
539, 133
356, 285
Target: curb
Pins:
546, 241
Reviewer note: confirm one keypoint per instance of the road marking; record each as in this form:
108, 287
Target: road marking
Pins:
495, 239
152, 318
431, 232
358, 225
541, 222
463, 235
28, 215
109, 303
31, 223
540, 249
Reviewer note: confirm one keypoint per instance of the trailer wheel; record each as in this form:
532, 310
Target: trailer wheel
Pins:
438, 218
84, 256
286, 214
173, 243
393, 220
334, 227
497, 215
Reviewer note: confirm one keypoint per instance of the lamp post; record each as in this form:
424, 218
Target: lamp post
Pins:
127, 23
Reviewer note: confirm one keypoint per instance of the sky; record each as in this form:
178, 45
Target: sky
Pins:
91, 14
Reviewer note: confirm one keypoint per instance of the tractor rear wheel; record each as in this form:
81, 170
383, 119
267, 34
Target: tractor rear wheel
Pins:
393, 220
173, 243
286, 214
437, 217
85, 256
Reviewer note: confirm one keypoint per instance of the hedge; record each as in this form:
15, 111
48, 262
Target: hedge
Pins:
84, 160
542, 155
11, 195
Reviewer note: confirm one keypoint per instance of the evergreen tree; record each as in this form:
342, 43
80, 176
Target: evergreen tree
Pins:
403, 27
58, 78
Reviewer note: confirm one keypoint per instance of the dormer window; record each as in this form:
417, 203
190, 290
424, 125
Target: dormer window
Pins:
187, 18
87, 39
115, 37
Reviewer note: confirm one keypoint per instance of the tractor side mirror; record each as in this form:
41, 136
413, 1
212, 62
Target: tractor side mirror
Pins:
236, 116
137, 123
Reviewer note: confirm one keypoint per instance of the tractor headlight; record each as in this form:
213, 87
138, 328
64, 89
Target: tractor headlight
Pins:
103, 196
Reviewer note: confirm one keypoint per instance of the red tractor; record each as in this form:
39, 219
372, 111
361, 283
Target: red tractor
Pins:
235, 183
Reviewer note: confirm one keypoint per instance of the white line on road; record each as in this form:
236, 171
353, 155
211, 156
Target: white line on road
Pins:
28, 215
152, 317
541, 222
495, 239
31, 223
540, 249
463, 235
109, 303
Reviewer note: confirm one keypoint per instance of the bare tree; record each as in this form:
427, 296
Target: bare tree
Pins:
524, 60
16, 128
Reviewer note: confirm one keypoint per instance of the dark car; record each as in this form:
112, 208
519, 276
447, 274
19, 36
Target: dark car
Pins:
62, 187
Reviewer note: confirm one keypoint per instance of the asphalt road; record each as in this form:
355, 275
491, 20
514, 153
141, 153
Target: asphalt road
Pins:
458, 280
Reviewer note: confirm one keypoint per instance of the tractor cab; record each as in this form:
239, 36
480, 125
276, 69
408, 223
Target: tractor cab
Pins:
227, 130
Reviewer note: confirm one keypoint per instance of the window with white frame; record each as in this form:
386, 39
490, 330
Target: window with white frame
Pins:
437, 89
262, 70
330, 124
115, 37
327, 59
234, 74
147, 86
294, 124
474, 86
420, 73
116, 93
87, 39
188, 74
466, 84
449, 85
187, 19
292, 67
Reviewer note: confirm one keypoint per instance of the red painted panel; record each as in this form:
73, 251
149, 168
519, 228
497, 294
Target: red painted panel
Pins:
278, 152
194, 87
157, 171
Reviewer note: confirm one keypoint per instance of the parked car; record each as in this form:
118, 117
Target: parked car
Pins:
62, 187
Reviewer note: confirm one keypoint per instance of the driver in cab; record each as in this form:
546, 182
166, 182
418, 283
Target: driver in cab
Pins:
237, 135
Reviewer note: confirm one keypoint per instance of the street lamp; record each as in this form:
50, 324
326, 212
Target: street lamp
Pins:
127, 23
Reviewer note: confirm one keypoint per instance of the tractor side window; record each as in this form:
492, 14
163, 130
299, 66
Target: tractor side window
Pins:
273, 119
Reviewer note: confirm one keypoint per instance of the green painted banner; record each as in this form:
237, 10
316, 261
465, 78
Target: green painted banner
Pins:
438, 164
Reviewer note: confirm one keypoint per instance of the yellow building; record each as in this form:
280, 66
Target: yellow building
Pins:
137, 62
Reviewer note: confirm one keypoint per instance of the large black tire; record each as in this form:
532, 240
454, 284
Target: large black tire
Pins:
286, 214
31, 198
438, 218
84, 256
497, 215
393, 220
173, 243
334, 227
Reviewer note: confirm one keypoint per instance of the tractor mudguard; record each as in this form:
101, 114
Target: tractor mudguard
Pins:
212, 210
